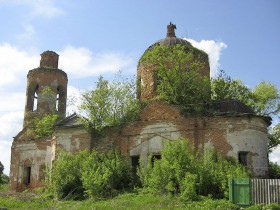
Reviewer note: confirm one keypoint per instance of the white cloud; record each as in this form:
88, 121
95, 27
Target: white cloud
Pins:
73, 100
5, 151
45, 8
11, 122
14, 64
81, 62
28, 34
12, 101
41, 8
275, 155
213, 49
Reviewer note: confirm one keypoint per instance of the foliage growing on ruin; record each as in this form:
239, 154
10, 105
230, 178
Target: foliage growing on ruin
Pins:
43, 126
183, 171
224, 87
110, 103
178, 79
264, 99
157, 50
95, 175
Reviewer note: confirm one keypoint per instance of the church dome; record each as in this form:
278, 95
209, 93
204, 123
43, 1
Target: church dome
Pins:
170, 39
147, 69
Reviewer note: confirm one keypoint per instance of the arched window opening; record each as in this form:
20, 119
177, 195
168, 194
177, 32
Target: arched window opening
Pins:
27, 175
57, 101
60, 99
243, 158
135, 163
155, 158
35, 99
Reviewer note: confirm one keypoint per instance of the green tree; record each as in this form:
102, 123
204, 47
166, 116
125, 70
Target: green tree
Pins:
267, 99
178, 79
4, 179
224, 87
110, 103
1, 173
274, 170
274, 137
264, 99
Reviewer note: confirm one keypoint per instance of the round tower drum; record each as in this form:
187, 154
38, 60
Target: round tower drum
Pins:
46, 91
147, 72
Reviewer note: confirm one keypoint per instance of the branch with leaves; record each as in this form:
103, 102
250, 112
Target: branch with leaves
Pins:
110, 103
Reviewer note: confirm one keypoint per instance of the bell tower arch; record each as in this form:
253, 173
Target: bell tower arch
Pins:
46, 91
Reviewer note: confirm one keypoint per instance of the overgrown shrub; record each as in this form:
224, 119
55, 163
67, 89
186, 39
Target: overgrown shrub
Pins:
65, 178
183, 171
89, 174
272, 206
214, 171
105, 175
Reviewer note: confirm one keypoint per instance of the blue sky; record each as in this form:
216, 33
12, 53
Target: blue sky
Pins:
96, 37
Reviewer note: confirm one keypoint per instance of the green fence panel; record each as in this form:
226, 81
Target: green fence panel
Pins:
240, 191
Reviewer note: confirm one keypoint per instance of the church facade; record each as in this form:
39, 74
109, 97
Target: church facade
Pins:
235, 132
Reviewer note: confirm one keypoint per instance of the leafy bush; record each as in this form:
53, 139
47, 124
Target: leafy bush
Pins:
105, 175
65, 179
89, 174
182, 171
272, 206
43, 127
214, 171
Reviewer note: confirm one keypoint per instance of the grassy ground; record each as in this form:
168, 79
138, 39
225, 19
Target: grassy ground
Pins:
41, 200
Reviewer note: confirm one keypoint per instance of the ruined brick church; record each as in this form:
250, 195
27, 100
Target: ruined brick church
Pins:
236, 131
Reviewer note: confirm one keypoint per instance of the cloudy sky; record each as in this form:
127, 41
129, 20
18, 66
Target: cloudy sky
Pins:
95, 37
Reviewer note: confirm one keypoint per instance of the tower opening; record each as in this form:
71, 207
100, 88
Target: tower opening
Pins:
60, 99
35, 98
57, 102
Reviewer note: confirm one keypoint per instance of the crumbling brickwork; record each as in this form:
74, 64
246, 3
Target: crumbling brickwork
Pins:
46, 90
231, 133
161, 122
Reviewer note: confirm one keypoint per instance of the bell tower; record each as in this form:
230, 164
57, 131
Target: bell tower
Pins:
46, 91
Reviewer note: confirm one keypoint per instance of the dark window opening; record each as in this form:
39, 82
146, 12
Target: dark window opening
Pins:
243, 158
135, 161
154, 158
27, 175
60, 99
